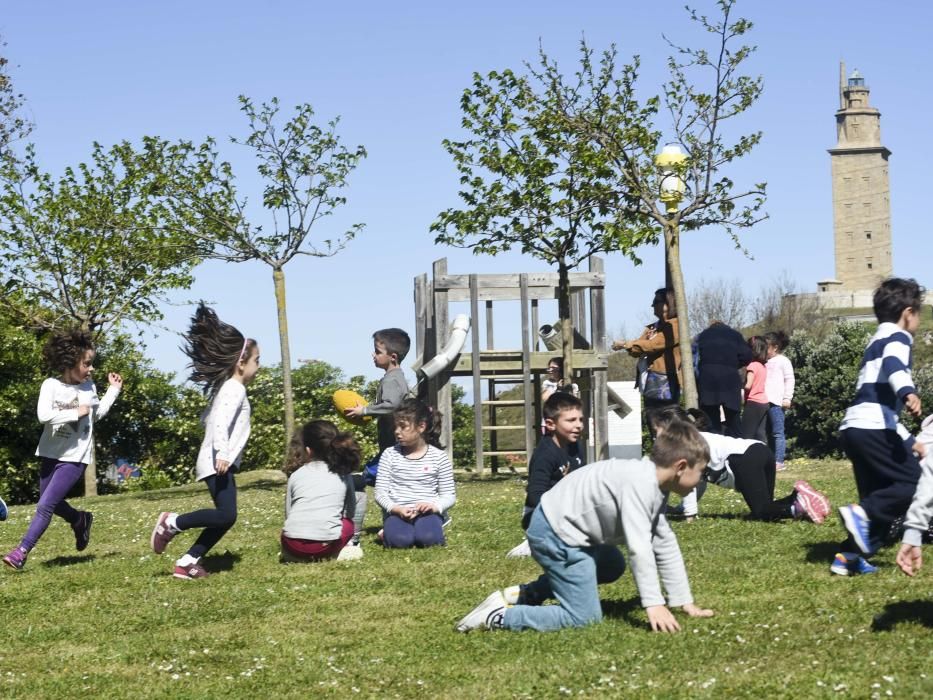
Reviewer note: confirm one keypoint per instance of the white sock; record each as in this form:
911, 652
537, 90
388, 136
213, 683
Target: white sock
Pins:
187, 560
171, 522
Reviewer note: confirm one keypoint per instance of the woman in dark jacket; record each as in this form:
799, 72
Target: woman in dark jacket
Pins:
722, 351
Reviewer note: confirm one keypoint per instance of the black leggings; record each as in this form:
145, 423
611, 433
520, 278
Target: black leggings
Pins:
754, 479
755, 421
215, 521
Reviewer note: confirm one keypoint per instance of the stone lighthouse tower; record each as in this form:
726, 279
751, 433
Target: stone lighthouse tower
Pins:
861, 204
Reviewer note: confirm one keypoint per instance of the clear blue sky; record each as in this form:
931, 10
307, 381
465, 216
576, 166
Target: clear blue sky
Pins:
394, 72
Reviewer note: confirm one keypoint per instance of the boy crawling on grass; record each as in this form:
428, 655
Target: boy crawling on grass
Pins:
575, 530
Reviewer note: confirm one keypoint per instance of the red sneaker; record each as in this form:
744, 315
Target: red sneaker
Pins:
191, 571
162, 534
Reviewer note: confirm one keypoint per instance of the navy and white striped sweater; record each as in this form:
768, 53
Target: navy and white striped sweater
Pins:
884, 381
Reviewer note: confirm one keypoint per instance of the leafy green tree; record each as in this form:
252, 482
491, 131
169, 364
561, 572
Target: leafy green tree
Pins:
705, 90
13, 123
531, 183
95, 248
304, 168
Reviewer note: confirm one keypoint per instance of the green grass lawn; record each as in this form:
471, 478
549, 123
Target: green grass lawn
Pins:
113, 622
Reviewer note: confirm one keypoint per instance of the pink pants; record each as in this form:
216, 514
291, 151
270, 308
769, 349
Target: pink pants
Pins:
315, 551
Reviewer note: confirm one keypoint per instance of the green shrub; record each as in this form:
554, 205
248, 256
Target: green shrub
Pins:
826, 372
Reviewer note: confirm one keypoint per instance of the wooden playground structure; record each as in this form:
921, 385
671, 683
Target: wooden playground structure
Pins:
491, 368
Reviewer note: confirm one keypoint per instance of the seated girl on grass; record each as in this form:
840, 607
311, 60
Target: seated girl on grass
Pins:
415, 484
320, 498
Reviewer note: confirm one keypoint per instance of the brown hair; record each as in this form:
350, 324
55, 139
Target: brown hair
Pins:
64, 350
338, 450
680, 440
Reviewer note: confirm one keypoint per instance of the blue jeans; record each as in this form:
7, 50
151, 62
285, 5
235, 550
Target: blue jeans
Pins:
571, 575
776, 414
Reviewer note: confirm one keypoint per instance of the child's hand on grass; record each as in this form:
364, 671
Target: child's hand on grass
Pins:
661, 619
696, 611
909, 558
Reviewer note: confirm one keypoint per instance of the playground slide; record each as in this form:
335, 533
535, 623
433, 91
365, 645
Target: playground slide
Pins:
446, 356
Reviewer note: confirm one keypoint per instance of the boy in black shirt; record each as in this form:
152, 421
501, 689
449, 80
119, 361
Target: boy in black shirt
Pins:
557, 454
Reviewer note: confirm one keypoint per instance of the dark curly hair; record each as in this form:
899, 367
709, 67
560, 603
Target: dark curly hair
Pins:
338, 450
214, 348
64, 350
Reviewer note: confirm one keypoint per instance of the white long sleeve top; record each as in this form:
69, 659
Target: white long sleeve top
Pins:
403, 481
226, 429
65, 436
618, 501
921, 508
779, 380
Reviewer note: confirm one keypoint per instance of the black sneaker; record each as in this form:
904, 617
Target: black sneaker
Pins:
83, 530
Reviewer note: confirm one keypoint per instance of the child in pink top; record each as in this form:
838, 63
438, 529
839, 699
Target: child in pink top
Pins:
755, 414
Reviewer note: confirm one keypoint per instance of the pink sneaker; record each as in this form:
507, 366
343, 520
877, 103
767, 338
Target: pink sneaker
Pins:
162, 534
811, 502
16, 559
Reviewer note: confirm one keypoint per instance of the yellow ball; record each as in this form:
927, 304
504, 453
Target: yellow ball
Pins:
344, 399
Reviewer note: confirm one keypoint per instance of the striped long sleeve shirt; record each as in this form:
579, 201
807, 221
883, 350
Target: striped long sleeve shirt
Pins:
884, 381
402, 481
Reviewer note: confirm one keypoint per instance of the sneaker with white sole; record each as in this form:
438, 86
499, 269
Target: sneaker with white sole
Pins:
487, 615
811, 502
16, 559
350, 552
82, 530
851, 564
192, 571
857, 522
520, 550
162, 534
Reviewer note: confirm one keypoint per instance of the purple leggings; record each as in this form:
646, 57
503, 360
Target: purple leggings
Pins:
55, 481
424, 531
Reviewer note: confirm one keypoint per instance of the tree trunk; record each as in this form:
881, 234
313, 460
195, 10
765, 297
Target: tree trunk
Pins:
566, 324
90, 473
672, 250
278, 278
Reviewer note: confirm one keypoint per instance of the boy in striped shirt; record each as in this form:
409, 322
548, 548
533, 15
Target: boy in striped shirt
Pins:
880, 447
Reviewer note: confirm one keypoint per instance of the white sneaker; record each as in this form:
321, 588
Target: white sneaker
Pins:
351, 552
486, 615
522, 550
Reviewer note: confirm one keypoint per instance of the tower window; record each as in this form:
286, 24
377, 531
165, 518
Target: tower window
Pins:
868, 235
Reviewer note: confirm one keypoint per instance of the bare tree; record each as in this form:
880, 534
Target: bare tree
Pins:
719, 300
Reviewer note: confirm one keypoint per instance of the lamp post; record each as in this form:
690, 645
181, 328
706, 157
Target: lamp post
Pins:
672, 187
671, 162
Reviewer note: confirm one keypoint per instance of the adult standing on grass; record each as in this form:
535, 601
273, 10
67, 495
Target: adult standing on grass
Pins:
659, 356
68, 408
224, 362
721, 352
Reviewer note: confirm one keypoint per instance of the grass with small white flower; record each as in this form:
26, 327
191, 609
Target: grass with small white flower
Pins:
113, 622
